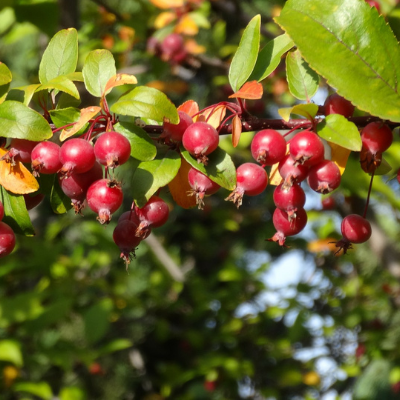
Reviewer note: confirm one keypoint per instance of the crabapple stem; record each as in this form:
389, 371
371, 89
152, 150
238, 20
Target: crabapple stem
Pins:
369, 193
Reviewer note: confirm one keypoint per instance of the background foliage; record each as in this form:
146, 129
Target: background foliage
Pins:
225, 325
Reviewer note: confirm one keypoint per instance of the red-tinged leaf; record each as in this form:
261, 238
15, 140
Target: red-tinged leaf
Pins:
213, 115
236, 130
190, 107
86, 115
16, 179
179, 187
250, 90
118, 80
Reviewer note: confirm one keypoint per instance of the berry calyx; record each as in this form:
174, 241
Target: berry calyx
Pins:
307, 148
124, 237
287, 227
104, 197
7, 240
202, 185
45, 158
324, 177
174, 132
291, 172
251, 179
76, 155
112, 149
336, 104
152, 215
289, 199
200, 139
268, 147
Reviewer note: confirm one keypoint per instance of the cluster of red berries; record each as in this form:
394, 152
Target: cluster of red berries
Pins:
170, 49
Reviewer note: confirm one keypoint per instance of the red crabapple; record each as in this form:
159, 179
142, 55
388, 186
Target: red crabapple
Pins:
324, 177
174, 132
152, 215
336, 104
268, 147
328, 203
124, 237
20, 150
112, 149
376, 137
287, 227
290, 172
289, 199
202, 185
200, 139
173, 49
133, 217
7, 240
104, 197
251, 180
32, 201
46, 158
307, 148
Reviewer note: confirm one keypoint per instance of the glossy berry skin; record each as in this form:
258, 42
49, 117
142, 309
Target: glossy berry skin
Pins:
336, 104
290, 172
356, 229
7, 240
1, 211
174, 132
202, 185
328, 203
289, 199
324, 177
376, 137
46, 158
33, 201
112, 149
268, 147
286, 226
76, 155
20, 150
155, 212
307, 148
124, 237
200, 139
104, 197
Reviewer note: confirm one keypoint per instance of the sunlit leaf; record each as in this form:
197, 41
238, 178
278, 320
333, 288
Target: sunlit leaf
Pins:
39, 389
10, 351
190, 107
62, 84
119, 80
308, 111
86, 114
339, 155
163, 19
168, 3
213, 115
250, 90
187, 26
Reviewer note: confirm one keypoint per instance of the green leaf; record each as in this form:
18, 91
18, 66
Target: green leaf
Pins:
116, 345
384, 168
19, 121
303, 81
15, 213
270, 57
142, 147
220, 168
152, 175
308, 111
75, 76
64, 116
5, 74
96, 320
10, 351
60, 56
39, 389
59, 202
245, 57
352, 47
146, 102
29, 91
62, 84
337, 129
72, 393
99, 67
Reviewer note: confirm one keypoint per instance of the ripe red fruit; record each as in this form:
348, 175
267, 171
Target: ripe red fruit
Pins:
376, 137
307, 148
1, 211
45, 158
124, 237
290, 172
202, 185
174, 132
328, 203
133, 217
336, 104
324, 177
104, 197
356, 229
172, 48
20, 150
199, 140
251, 179
7, 240
153, 215
268, 147
287, 227
33, 201
112, 149
76, 155
289, 199
96, 369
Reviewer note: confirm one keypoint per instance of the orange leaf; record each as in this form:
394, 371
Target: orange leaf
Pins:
163, 19
236, 130
119, 80
86, 115
187, 26
213, 115
190, 107
339, 155
322, 245
250, 90
16, 179
193, 47
179, 187
168, 3
274, 175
